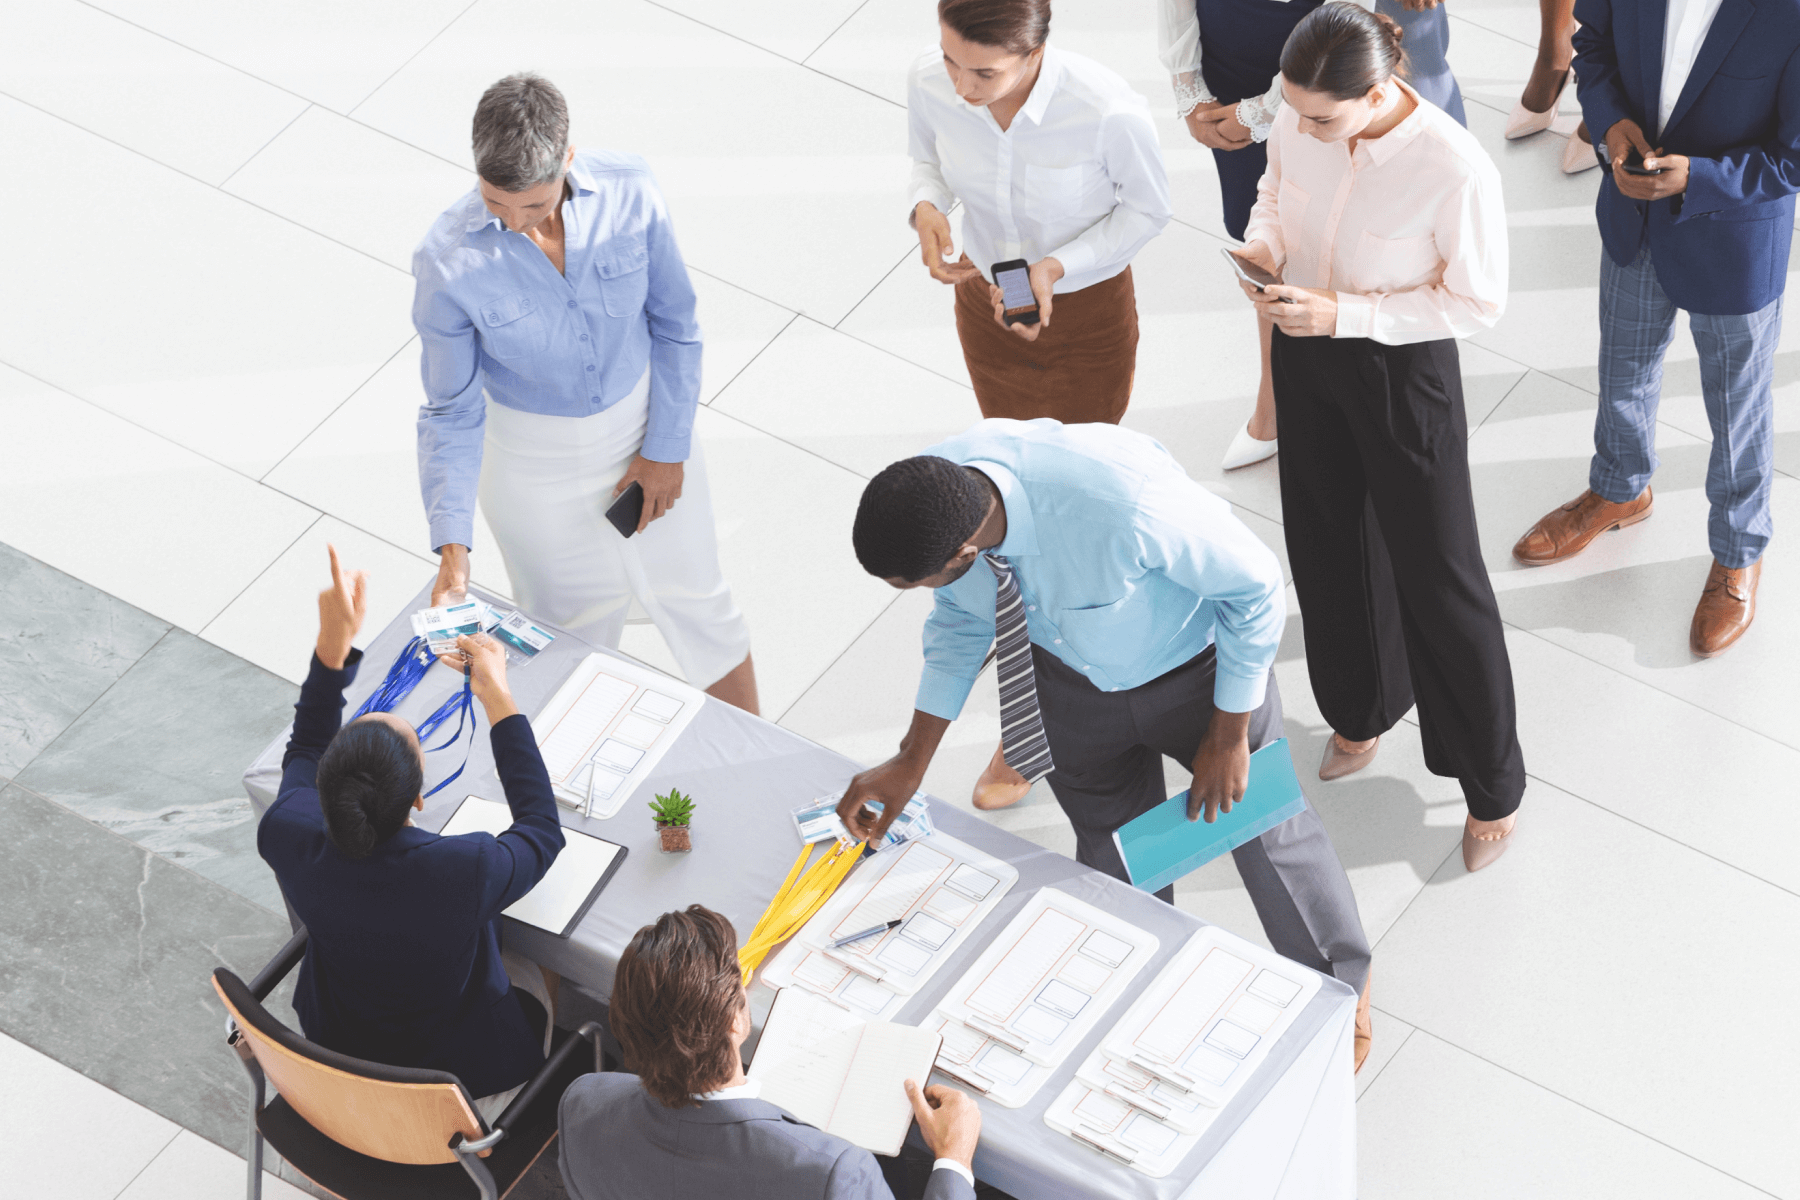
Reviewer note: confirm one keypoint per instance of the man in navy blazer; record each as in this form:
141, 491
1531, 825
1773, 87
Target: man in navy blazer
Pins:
403, 963
1708, 93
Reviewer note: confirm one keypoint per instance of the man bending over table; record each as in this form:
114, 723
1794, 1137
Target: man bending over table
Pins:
1134, 616
689, 1123
403, 965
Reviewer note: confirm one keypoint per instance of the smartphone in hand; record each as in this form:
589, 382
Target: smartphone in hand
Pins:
1014, 280
1634, 164
627, 510
1250, 273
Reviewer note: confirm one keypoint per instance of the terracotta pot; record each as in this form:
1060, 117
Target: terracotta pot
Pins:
676, 839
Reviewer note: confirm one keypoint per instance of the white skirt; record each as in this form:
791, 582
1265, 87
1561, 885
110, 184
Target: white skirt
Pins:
546, 483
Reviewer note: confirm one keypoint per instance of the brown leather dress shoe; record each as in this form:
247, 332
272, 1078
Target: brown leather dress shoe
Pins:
1727, 606
999, 786
1364, 1036
1565, 532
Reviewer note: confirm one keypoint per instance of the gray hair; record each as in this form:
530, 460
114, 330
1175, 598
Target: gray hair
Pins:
521, 133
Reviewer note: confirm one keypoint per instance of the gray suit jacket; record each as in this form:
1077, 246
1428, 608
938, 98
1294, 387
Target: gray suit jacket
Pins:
620, 1143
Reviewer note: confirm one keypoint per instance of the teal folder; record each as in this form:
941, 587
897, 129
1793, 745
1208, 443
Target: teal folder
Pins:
1163, 845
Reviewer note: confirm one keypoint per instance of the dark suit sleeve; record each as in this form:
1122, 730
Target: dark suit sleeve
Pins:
524, 851
856, 1176
317, 715
1751, 174
1597, 82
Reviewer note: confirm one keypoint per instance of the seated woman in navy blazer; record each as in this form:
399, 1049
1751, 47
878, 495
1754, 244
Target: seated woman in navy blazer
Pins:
403, 965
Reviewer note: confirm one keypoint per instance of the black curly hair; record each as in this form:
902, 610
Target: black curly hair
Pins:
916, 515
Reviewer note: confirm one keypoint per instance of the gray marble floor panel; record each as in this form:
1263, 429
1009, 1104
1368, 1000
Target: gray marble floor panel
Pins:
158, 759
62, 644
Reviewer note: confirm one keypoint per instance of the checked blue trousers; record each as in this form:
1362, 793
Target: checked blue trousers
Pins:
1737, 369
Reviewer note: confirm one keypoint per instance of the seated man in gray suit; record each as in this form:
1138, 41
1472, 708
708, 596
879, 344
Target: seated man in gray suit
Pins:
688, 1124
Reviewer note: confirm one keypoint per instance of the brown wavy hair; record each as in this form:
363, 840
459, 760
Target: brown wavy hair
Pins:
674, 997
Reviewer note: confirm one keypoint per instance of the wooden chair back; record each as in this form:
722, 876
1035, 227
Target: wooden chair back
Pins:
396, 1114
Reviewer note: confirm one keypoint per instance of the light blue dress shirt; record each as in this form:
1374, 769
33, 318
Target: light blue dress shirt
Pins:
1128, 568
492, 313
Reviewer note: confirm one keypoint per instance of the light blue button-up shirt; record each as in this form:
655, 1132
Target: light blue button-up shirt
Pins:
492, 313
1127, 567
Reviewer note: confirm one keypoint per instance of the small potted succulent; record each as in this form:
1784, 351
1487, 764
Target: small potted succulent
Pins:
674, 813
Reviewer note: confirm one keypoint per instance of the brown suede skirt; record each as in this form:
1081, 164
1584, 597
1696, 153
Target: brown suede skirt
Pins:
1079, 368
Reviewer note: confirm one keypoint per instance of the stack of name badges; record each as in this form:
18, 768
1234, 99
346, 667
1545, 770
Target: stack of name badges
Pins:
818, 821
1182, 1051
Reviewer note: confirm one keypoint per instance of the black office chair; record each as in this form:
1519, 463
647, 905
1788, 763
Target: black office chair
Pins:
366, 1131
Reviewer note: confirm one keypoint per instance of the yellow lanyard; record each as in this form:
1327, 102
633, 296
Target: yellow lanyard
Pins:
802, 894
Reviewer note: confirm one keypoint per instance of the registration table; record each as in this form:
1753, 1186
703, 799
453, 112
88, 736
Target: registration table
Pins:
1289, 1132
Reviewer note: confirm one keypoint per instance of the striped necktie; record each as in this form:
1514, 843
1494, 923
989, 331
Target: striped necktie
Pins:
1026, 748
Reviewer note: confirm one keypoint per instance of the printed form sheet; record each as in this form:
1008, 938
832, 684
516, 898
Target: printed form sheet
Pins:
1037, 990
607, 727
1182, 1051
939, 888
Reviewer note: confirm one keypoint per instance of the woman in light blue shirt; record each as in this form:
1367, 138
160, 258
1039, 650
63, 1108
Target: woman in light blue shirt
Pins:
561, 363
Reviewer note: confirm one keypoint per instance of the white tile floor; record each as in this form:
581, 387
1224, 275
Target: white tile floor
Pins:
215, 375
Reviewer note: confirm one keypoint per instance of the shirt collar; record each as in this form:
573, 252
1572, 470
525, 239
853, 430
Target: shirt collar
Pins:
750, 1089
1383, 148
1021, 526
581, 183
1049, 75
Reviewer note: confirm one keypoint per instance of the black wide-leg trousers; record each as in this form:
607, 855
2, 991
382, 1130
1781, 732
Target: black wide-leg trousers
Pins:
1109, 748
1380, 525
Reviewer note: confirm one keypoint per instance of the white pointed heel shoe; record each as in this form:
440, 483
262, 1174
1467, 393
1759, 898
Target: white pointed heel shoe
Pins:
1523, 122
1245, 449
1578, 156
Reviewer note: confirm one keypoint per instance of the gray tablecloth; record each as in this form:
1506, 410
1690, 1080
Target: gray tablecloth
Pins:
747, 775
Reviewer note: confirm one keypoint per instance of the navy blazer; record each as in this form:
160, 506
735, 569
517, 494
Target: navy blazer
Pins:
403, 965
1722, 246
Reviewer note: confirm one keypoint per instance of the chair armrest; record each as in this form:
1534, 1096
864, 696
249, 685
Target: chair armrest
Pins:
587, 1036
276, 969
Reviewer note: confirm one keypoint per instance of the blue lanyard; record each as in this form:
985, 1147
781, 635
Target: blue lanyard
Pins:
402, 677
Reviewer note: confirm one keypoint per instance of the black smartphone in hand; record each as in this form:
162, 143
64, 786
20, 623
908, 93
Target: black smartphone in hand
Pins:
1634, 164
1014, 280
628, 509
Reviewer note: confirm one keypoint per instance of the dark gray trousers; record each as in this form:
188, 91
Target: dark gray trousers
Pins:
1109, 747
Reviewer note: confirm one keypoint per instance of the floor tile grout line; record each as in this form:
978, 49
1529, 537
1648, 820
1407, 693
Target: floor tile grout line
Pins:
1612, 1120
1507, 395
389, 78
896, 355
875, 287
269, 566
718, 278
836, 659
212, 58
335, 410
179, 1127
1382, 1069
1414, 899
203, 183
1458, 16
760, 351
837, 29
235, 171
807, 450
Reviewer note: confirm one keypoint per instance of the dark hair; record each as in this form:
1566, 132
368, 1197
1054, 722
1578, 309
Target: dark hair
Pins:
675, 993
521, 133
915, 516
1342, 50
1016, 26
368, 777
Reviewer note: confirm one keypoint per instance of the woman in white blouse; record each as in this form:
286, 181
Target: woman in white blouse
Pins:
1223, 57
1384, 219
1054, 160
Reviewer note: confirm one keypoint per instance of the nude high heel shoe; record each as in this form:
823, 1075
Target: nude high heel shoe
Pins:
1578, 155
1479, 852
1523, 122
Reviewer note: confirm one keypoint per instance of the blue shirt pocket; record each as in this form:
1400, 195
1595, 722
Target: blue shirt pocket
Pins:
624, 266
1115, 636
511, 325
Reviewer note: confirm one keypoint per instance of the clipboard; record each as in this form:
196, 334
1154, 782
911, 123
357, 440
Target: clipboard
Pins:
568, 889
1162, 845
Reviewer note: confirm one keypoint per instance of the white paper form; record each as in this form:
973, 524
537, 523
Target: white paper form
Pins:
1201, 1028
845, 1075
940, 888
608, 725
565, 887
1121, 1132
1035, 993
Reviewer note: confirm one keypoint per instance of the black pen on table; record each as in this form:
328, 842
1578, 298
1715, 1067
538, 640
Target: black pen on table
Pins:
871, 931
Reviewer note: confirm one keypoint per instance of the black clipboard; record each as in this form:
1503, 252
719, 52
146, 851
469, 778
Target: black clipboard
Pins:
586, 859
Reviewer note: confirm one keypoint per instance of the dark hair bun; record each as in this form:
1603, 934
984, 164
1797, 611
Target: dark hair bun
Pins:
1391, 27
1342, 50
